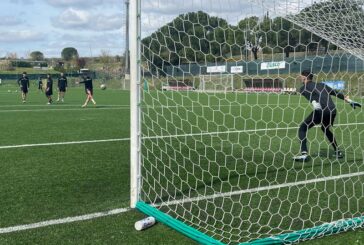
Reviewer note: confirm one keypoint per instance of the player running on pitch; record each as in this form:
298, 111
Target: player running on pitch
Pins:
88, 89
23, 82
324, 112
62, 87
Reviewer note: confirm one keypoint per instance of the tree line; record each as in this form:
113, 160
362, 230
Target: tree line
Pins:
69, 58
197, 37
67, 54
70, 61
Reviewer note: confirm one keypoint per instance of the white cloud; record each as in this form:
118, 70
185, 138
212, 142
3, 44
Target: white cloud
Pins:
67, 3
285, 7
74, 19
20, 36
86, 44
86, 4
27, 2
107, 22
168, 9
8, 20
227, 8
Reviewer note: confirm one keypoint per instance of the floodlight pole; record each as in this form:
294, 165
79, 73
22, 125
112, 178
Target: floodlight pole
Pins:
135, 128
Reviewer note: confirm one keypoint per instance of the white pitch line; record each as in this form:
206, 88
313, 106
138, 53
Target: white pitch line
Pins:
160, 137
58, 105
64, 109
62, 143
107, 107
186, 200
62, 221
157, 107
264, 188
239, 131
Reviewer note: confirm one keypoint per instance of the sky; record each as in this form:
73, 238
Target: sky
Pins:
95, 26
48, 26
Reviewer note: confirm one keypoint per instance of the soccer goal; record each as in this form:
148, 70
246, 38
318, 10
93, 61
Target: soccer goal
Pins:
218, 167
216, 83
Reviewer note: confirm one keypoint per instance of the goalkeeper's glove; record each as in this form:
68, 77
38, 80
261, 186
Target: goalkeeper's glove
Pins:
353, 103
316, 105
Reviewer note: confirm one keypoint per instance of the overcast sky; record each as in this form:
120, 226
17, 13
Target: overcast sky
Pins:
94, 25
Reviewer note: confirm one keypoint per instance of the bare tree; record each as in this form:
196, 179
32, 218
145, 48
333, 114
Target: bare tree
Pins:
5, 65
11, 56
105, 58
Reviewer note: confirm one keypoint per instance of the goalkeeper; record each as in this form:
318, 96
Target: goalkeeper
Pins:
324, 112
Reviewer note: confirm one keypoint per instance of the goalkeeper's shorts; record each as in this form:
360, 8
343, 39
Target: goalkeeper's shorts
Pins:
326, 118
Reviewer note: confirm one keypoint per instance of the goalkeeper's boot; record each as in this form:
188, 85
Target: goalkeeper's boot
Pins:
338, 154
301, 158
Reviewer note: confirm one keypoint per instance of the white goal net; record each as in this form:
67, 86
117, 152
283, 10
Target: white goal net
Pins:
217, 83
222, 163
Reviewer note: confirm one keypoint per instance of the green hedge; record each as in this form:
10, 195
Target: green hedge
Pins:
26, 64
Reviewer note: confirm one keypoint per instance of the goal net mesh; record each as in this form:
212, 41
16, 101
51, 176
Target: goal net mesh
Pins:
222, 162
216, 83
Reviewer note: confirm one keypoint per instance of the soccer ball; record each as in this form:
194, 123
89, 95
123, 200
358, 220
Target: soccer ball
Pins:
103, 86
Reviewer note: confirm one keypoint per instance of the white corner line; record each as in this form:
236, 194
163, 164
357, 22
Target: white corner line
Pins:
63, 220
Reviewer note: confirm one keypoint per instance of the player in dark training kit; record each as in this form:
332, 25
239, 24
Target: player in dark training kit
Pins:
324, 112
88, 89
62, 87
49, 89
23, 82
40, 85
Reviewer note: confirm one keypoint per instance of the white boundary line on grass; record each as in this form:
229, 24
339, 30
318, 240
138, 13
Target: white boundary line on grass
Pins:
142, 106
159, 137
62, 143
186, 200
64, 109
55, 104
62, 221
240, 131
257, 189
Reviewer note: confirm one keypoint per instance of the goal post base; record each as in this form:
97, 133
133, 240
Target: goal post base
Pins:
287, 238
177, 225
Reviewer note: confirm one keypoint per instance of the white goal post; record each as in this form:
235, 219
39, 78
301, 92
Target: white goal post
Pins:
135, 85
217, 83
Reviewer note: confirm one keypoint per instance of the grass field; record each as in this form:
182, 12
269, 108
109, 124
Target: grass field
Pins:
63, 161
